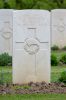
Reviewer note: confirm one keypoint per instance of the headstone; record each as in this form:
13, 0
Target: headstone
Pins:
58, 29
6, 31
31, 46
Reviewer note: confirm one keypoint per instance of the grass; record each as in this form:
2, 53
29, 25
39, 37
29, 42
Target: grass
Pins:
34, 97
6, 74
58, 53
56, 72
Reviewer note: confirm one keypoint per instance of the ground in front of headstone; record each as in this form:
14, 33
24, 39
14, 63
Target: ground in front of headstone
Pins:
33, 88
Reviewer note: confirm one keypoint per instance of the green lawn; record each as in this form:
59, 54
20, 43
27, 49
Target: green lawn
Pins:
56, 72
6, 74
58, 53
34, 97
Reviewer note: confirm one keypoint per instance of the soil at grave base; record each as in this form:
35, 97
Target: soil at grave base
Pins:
31, 88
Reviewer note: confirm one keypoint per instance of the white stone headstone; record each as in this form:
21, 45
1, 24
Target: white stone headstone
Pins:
58, 27
31, 46
6, 31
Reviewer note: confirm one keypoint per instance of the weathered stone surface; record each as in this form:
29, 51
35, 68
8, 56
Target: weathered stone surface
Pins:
31, 46
58, 27
6, 27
